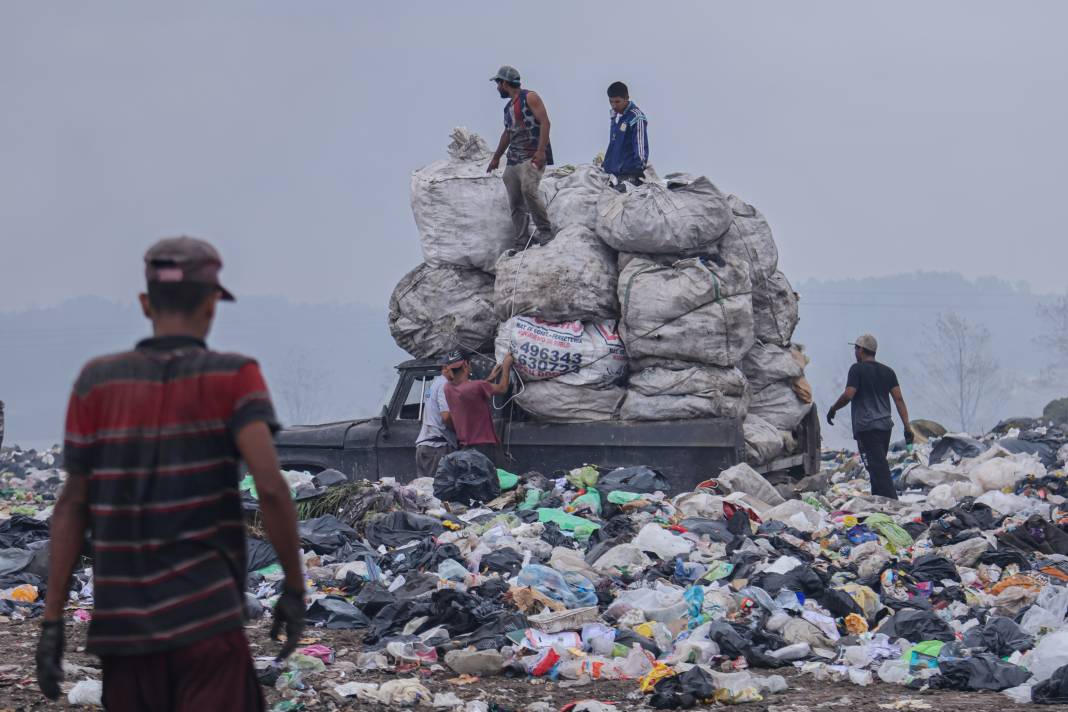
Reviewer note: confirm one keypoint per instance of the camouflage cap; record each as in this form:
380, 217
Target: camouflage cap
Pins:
506, 74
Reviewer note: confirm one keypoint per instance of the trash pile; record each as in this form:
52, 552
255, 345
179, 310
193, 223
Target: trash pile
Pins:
716, 595
660, 302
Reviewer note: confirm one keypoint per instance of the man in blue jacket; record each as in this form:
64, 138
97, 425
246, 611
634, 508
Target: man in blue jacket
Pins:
628, 139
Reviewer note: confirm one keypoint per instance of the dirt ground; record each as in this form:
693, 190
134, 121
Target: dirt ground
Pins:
18, 688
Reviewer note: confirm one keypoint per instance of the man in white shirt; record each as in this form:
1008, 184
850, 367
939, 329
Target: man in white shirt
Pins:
436, 437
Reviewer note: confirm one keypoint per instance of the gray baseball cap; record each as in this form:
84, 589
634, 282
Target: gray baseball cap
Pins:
866, 342
506, 74
185, 259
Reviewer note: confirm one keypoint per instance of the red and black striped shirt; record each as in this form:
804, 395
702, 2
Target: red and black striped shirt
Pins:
154, 431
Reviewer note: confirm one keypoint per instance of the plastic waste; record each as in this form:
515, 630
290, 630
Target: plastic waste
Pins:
1053, 690
570, 588
659, 541
86, 692
1049, 654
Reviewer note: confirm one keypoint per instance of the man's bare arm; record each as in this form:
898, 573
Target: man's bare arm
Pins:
69, 521
501, 386
902, 409
446, 417
279, 516
502, 146
537, 107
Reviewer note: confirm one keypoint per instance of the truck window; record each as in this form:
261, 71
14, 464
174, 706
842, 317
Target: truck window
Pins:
413, 403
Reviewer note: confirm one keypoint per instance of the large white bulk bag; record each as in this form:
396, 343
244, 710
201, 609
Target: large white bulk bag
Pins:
573, 277
699, 391
698, 309
571, 194
558, 402
767, 363
436, 309
678, 216
779, 405
572, 353
460, 210
750, 238
774, 309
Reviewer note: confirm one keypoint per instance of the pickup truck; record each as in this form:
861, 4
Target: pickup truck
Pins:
687, 452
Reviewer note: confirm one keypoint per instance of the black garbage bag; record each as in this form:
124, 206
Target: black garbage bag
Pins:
984, 671
744, 563
839, 603
1053, 691
1036, 535
20, 531
325, 534
641, 479
493, 589
259, 554
1044, 451
399, 528
714, 529
460, 612
14, 560
493, 633
554, 536
1000, 635
335, 613
329, 478
960, 446
799, 579
372, 598
683, 691
1004, 557
466, 476
916, 626
627, 637
736, 640
393, 617
424, 555
506, 561
932, 567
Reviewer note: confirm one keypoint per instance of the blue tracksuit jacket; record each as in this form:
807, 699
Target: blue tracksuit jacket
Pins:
628, 142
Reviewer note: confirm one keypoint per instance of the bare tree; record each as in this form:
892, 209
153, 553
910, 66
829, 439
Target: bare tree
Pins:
959, 375
1054, 337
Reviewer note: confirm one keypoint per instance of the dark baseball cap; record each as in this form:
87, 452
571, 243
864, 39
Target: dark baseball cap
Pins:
185, 259
454, 356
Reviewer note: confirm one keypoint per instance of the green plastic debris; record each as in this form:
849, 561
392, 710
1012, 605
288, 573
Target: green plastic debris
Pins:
621, 497
305, 663
591, 500
582, 528
249, 484
896, 537
275, 568
923, 654
583, 477
718, 570
507, 479
507, 519
530, 501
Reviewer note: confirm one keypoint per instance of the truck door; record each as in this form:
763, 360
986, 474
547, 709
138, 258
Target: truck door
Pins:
402, 419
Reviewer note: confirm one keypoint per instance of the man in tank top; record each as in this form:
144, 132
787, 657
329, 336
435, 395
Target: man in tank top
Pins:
526, 140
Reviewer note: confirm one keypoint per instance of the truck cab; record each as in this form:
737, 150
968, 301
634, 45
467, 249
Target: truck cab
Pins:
687, 452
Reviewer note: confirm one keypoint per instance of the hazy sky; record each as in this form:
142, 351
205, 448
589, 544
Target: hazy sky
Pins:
877, 137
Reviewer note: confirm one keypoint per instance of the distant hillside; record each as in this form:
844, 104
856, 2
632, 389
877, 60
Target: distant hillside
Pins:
332, 361
322, 361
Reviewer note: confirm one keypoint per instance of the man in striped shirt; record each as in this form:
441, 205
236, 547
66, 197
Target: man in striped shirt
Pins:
153, 440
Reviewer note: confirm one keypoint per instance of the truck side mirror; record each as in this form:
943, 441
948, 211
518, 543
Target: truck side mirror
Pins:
385, 421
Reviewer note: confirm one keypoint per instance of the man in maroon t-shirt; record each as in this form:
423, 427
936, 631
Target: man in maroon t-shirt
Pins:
469, 403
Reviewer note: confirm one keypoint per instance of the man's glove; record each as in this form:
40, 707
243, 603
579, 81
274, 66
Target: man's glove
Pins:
910, 437
288, 613
50, 658
830, 417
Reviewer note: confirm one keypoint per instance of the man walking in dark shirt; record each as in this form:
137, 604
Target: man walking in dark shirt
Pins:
152, 445
869, 387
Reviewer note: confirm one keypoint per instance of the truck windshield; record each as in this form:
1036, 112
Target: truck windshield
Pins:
416, 398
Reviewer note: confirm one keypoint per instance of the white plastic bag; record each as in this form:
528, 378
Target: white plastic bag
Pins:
743, 478
655, 539
1050, 654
